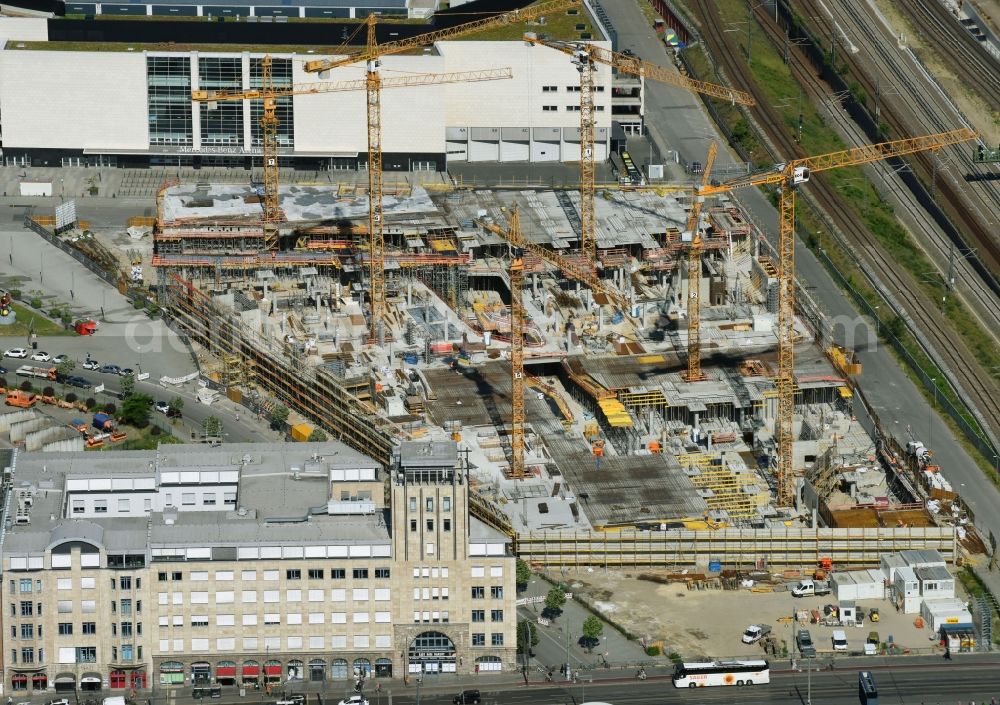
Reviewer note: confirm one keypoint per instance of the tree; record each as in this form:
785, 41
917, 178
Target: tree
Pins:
176, 404
128, 386
212, 427
25, 386
317, 436
279, 416
523, 575
554, 601
48, 392
63, 370
526, 632
90, 403
592, 630
135, 410
71, 398
110, 408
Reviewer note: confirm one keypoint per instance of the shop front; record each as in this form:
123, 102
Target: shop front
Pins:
201, 673
171, 673
250, 673
432, 652
225, 673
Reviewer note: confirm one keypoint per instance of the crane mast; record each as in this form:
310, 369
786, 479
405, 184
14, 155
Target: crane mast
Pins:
269, 137
694, 372
376, 236
588, 236
516, 353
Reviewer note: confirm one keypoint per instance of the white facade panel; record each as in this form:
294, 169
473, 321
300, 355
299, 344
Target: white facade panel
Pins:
412, 118
483, 151
514, 151
457, 151
74, 100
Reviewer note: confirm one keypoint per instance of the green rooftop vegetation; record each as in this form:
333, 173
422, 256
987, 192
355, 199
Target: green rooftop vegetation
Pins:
560, 26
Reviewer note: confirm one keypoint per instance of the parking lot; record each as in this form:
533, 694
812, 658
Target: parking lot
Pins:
710, 622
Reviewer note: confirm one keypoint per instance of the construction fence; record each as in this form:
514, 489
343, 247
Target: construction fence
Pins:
742, 549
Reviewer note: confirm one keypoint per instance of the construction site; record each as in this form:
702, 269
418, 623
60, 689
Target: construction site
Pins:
609, 357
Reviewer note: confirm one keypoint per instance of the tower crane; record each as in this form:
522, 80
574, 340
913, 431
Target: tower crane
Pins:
787, 177
585, 56
371, 56
269, 121
694, 372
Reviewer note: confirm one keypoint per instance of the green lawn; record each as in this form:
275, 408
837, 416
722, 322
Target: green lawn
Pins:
142, 439
561, 26
27, 318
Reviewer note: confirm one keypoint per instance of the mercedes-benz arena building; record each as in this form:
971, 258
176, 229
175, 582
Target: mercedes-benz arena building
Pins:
76, 103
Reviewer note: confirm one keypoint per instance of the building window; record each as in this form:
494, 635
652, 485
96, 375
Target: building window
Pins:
177, 575
293, 574
65, 628
27, 631
382, 573
27, 609
496, 592
413, 504
446, 504
27, 655
208, 499
478, 615
223, 125
126, 607
26, 585
89, 627
360, 573
78, 506
479, 639
315, 573
100, 506
496, 639
446, 524
228, 498
199, 620
86, 654
124, 506
169, 98
429, 504
478, 592
549, 109
187, 499
413, 525
337, 574
126, 630
496, 615
549, 89
430, 525
125, 582
161, 576
281, 76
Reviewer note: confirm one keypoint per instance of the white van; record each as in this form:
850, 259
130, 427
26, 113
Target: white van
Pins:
839, 640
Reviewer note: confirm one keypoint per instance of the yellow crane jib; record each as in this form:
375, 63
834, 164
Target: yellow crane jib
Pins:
461, 30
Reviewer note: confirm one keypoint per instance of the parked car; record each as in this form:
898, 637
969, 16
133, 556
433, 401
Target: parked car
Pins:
467, 697
805, 642
755, 632
16, 352
162, 406
353, 700
839, 640
89, 364
125, 371
59, 359
79, 382
41, 356
58, 701
808, 587
3, 370
110, 370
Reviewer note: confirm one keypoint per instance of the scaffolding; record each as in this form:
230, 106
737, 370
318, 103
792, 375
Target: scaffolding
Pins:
722, 489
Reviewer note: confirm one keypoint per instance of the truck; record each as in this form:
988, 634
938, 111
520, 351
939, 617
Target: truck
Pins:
839, 639
40, 372
808, 587
24, 400
103, 422
755, 632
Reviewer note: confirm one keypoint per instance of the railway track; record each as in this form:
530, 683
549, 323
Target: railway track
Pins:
913, 105
981, 389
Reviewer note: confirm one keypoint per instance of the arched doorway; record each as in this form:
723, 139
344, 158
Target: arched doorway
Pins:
117, 680
338, 669
487, 664
317, 670
201, 673
225, 673
66, 682
250, 672
137, 679
362, 667
90, 680
272, 671
383, 668
295, 670
171, 673
39, 681
431, 652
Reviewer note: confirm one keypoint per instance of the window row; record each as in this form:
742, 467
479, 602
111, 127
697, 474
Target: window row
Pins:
86, 628
27, 655
479, 592
496, 639
291, 643
429, 504
428, 572
430, 593
431, 617
290, 574
226, 597
429, 523
569, 108
274, 618
25, 586
480, 615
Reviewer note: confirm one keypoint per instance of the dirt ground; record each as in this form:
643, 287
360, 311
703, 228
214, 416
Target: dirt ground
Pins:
710, 622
